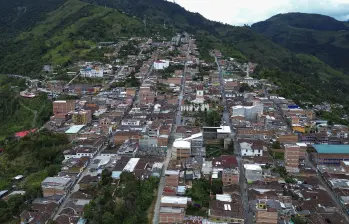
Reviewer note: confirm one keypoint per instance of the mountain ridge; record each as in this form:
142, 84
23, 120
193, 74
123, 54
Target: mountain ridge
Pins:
326, 39
62, 39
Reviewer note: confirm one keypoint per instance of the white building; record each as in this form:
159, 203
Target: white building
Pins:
253, 172
92, 73
250, 81
198, 104
247, 149
161, 64
248, 112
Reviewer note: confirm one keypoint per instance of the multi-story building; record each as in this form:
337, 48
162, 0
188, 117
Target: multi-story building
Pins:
63, 106
248, 112
292, 153
181, 149
230, 176
265, 214
55, 186
330, 155
82, 117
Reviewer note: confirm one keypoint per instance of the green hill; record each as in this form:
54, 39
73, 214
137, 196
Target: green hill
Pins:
67, 34
317, 35
301, 76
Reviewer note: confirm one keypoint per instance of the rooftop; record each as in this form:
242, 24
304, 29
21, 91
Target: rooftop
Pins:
332, 149
74, 129
182, 144
252, 167
174, 200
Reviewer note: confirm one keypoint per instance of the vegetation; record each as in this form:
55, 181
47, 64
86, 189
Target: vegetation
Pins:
18, 113
68, 33
36, 157
211, 118
126, 202
130, 81
313, 34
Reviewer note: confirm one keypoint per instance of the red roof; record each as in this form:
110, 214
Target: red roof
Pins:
24, 133
229, 161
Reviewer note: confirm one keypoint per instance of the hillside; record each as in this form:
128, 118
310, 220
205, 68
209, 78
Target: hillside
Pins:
70, 31
67, 34
317, 35
301, 76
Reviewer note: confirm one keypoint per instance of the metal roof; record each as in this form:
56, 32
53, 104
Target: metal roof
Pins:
332, 149
74, 129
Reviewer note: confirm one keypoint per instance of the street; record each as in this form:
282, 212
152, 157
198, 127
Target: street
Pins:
242, 180
169, 148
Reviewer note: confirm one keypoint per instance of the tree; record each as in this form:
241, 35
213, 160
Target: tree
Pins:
276, 145
108, 218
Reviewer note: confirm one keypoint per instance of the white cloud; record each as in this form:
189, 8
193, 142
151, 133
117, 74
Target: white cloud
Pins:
239, 12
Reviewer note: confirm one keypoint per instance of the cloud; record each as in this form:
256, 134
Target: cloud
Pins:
239, 12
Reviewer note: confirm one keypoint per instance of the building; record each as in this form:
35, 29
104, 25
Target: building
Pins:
216, 132
171, 215
73, 131
249, 149
82, 117
225, 209
161, 64
253, 172
291, 157
230, 176
174, 201
248, 112
330, 155
63, 106
55, 186
265, 214
181, 149
172, 178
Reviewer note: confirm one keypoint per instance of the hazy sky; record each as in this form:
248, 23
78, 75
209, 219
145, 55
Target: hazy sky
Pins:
239, 12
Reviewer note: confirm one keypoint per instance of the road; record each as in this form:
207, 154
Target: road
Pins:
75, 187
178, 121
242, 180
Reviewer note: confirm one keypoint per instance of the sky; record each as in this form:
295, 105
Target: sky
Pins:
240, 12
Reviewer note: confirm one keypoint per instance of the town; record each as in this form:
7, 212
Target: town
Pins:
205, 142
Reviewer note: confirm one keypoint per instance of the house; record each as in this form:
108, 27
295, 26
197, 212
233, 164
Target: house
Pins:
75, 165
121, 136
249, 149
226, 209
39, 213
161, 64
55, 186
174, 201
253, 172
171, 215
88, 181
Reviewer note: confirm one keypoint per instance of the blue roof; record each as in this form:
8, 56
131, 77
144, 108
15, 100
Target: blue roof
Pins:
332, 149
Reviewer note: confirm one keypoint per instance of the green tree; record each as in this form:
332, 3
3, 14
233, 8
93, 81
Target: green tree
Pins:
108, 218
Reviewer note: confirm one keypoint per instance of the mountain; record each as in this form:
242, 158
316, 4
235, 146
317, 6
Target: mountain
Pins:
63, 33
314, 34
66, 34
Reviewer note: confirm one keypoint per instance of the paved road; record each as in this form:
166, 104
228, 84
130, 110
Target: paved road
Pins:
242, 180
169, 149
